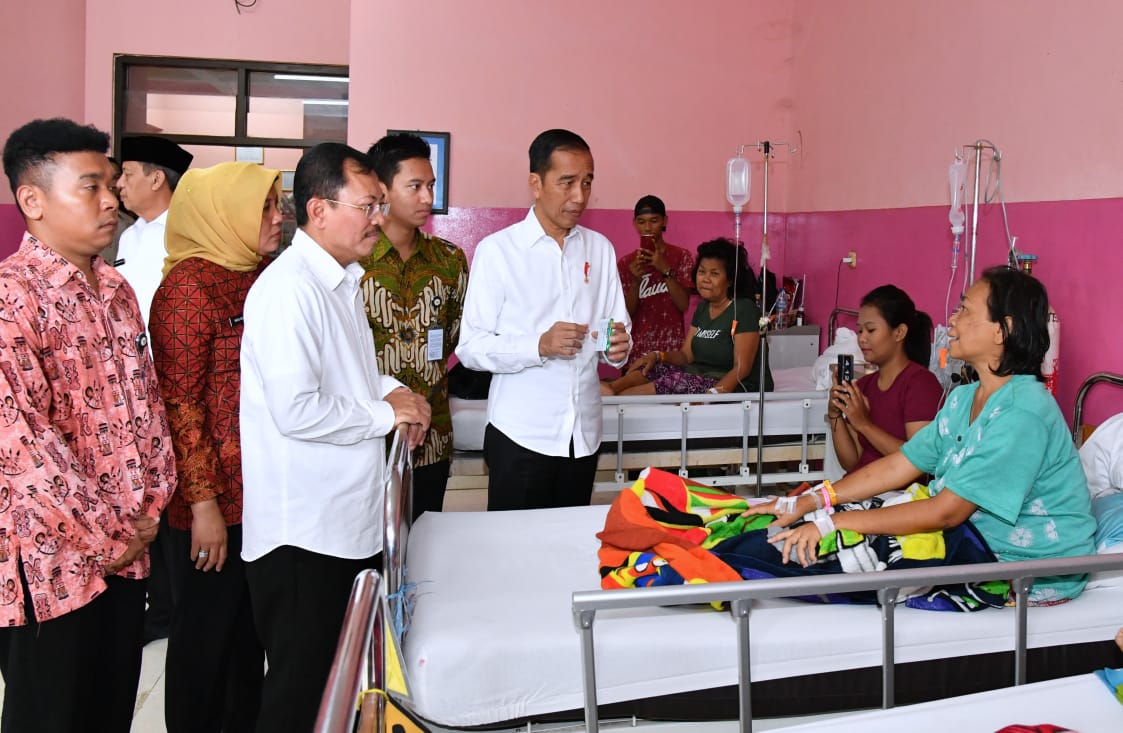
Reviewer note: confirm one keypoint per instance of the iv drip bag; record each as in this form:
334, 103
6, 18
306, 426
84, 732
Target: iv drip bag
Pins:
957, 177
737, 182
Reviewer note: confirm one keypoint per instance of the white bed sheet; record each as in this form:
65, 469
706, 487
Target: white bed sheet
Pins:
493, 639
664, 421
1082, 703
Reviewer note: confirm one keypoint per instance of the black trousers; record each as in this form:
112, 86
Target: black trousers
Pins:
78, 672
164, 580
299, 600
215, 664
429, 484
519, 478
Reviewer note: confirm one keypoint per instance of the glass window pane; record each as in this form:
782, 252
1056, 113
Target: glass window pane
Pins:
297, 106
180, 101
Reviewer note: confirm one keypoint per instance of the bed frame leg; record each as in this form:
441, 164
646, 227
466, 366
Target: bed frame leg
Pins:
1021, 593
887, 598
589, 667
741, 610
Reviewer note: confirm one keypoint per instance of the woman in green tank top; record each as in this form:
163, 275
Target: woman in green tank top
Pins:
721, 351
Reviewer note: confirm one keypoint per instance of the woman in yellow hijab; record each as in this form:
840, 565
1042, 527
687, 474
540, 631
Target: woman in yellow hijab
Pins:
223, 223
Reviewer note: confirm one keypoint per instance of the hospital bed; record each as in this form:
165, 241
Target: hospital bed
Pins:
689, 434
509, 626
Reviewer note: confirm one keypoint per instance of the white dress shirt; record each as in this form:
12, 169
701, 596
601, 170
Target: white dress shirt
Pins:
142, 248
313, 418
522, 283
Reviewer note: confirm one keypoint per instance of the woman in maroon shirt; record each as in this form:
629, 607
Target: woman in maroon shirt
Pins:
875, 415
221, 223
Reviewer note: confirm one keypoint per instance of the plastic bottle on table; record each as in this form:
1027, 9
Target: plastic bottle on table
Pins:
781, 308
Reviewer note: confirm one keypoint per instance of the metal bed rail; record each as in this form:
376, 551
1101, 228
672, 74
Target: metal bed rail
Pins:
358, 657
1081, 396
748, 402
740, 596
832, 322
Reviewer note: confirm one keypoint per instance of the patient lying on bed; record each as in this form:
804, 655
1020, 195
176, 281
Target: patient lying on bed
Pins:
721, 351
999, 452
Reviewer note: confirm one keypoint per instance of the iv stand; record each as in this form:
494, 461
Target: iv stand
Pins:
978, 146
768, 148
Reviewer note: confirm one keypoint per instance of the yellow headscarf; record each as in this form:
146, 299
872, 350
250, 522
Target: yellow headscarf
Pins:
215, 214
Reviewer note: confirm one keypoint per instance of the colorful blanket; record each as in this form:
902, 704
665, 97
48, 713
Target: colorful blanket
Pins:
665, 530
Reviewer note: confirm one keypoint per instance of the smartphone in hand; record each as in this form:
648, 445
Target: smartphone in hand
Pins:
647, 243
845, 368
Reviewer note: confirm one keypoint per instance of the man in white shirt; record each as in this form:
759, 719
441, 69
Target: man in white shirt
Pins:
539, 296
150, 170
314, 416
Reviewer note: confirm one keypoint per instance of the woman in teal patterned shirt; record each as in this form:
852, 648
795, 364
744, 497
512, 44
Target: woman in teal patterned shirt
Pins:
999, 449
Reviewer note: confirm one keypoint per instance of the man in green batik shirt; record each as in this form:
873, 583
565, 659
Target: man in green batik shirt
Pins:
413, 291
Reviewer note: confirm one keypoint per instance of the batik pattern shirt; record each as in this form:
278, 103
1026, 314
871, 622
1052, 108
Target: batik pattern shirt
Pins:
84, 441
196, 329
404, 301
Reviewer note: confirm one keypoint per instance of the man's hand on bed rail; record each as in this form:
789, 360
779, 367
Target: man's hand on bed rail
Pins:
412, 410
563, 340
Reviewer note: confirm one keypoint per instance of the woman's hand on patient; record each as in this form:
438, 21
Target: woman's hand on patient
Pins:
804, 538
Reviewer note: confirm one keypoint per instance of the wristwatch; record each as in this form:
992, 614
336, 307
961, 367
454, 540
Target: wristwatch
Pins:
668, 272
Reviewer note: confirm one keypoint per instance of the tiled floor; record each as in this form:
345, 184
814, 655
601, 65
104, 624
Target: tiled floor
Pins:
149, 714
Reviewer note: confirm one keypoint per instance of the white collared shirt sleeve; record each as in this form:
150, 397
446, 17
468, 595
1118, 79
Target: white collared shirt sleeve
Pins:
313, 418
297, 372
485, 344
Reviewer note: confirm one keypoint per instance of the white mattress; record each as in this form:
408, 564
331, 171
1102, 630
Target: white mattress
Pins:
493, 638
1081, 703
646, 421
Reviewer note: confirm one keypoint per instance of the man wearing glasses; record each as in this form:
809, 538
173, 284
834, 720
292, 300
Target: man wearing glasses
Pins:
413, 290
314, 416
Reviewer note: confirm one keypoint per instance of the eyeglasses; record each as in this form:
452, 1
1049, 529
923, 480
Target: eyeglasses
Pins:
368, 209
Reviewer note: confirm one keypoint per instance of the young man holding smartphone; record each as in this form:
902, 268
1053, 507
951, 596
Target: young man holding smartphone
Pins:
657, 282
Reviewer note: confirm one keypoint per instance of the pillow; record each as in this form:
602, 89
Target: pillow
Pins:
1108, 511
1102, 458
845, 342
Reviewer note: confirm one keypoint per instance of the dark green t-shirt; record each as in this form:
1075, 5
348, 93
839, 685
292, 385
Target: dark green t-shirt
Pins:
713, 345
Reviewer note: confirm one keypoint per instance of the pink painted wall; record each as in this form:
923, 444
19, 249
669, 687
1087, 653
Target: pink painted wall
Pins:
272, 30
42, 58
885, 90
1078, 243
662, 92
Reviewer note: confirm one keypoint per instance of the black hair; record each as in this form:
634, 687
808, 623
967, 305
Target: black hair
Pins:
320, 174
735, 260
1019, 305
897, 308
546, 143
30, 151
387, 154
